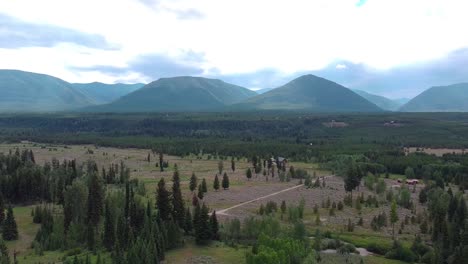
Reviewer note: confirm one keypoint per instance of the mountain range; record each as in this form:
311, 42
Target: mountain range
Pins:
451, 98
179, 94
310, 93
32, 92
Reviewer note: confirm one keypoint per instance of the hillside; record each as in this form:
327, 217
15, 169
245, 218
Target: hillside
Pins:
103, 93
310, 93
179, 94
26, 92
380, 101
451, 98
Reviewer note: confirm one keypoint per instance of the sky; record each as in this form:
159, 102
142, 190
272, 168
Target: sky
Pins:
396, 48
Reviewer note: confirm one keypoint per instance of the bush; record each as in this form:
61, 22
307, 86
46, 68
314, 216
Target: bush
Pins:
399, 252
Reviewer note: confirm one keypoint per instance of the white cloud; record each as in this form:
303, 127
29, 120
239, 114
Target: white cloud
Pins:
242, 36
341, 66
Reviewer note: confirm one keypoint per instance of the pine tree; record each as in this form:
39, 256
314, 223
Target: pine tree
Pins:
233, 165
202, 227
95, 199
2, 209
225, 182
109, 228
193, 182
161, 162
188, 221
162, 201
10, 229
214, 228
178, 207
216, 183
200, 192
249, 173
204, 188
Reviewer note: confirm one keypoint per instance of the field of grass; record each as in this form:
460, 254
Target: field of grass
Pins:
214, 253
27, 231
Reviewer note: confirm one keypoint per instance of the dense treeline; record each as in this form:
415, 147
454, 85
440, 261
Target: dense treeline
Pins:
295, 135
83, 207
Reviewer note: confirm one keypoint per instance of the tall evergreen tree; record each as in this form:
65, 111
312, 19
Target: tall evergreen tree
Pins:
214, 228
202, 227
161, 162
203, 186
163, 201
188, 221
10, 229
216, 183
109, 228
95, 199
225, 181
200, 192
233, 165
178, 208
193, 182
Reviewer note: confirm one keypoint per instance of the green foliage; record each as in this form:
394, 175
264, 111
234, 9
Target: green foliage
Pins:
216, 183
277, 250
225, 182
193, 182
10, 229
163, 201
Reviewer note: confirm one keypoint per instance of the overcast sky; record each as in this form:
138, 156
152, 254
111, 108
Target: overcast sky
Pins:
395, 48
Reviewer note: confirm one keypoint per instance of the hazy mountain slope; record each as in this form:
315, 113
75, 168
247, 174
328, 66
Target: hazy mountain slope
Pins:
264, 90
380, 101
179, 94
310, 93
27, 91
451, 98
105, 93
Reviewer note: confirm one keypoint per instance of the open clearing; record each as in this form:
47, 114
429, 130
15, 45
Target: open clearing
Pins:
241, 200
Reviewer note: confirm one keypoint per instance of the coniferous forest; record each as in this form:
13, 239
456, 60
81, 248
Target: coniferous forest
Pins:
188, 186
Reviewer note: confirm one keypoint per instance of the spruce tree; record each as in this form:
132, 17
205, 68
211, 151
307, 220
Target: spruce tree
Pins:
203, 186
216, 183
202, 228
200, 192
178, 208
233, 165
193, 182
95, 199
162, 201
188, 221
109, 228
225, 182
214, 228
161, 162
10, 230
196, 218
